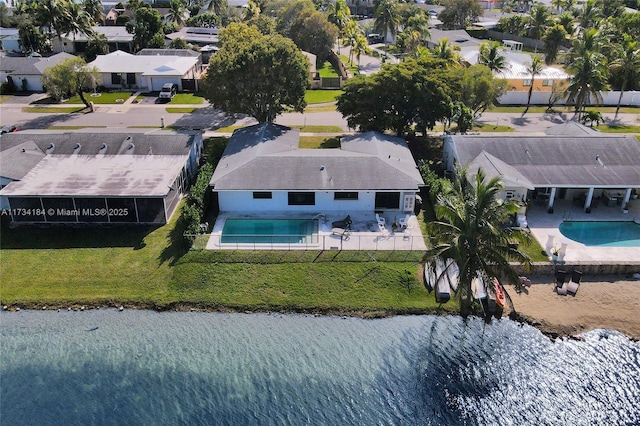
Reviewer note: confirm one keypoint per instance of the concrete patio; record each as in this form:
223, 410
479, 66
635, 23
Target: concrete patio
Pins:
545, 228
364, 233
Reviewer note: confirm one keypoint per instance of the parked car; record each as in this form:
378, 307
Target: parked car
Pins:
375, 38
168, 91
8, 129
433, 12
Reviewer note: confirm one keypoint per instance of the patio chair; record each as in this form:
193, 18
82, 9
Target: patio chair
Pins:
404, 222
382, 223
562, 291
574, 284
343, 233
344, 223
560, 277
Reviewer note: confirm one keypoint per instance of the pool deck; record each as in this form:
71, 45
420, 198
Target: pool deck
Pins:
363, 235
545, 228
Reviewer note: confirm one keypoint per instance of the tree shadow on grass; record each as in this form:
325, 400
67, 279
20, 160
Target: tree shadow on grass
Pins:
176, 245
73, 236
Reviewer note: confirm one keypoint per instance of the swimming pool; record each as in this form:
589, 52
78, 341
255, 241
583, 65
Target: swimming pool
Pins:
277, 231
608, 234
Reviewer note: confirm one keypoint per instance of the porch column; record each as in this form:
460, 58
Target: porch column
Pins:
627, 197
552, 197
587, 203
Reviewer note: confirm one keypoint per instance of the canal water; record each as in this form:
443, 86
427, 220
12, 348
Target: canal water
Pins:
104, 367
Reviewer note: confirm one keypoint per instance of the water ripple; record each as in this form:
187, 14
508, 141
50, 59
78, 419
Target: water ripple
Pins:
230, 369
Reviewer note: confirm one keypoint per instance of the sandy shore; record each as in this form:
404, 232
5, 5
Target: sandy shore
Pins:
601, 302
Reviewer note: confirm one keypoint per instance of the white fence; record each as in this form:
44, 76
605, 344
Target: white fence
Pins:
631, 98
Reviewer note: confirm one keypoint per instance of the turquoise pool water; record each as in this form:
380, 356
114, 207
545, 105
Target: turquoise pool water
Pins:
609, 234
277, 231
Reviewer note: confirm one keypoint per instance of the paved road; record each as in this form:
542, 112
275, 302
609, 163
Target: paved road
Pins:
208, 118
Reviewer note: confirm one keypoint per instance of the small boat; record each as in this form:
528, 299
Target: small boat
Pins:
429, 277
501, 298
478, 289
443, 286
453, 274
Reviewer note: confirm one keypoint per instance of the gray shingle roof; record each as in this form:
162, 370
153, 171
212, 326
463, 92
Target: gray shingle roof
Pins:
31, 66
266, 157
563, 161
92, 143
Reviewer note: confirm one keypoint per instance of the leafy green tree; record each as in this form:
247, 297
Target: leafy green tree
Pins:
204, 20
592, 116
147, 25
553, 39
568, 23
469, 230
97, 45
251, 11
415, 34
514, 24
626, 63
178, 43
477, 88
255, 74
460, 13
534, 68
217, 6
462, 116
290, 13
70, 77
492, 56
387, 17
589, 15
397, 97
265, 24
311, 32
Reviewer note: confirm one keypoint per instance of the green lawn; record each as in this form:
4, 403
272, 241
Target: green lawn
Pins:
52, 110
180, 110
149, 267
187, 99
488, 127
308, 129
321, 96
327, 70
605, 128
351, 66
104, 98
316, 142
563, 109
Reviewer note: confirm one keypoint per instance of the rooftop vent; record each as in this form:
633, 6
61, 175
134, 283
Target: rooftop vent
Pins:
77, 146
321, 168
130, 146
51, 146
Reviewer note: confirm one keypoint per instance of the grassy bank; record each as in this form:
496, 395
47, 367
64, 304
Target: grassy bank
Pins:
149, 267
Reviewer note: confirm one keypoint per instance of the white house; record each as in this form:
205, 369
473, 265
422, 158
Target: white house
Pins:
569, 161
144, 72
26, 73
117, 38
262, 169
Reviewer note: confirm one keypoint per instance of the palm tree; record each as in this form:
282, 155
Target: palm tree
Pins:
338, 15
567, 21
361, 46
48, 14
387, 18
626, 62
217, 6
444, 50
491, 56
75, 20
94, 9
535, 68
589, 78
468, 229
552, 41
539, 18
589, 15
176, 12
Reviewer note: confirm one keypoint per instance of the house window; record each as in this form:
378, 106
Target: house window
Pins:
388, 200
345, 195
302, 198
131, 78
116, 78
262, 195
526, 82
547, 83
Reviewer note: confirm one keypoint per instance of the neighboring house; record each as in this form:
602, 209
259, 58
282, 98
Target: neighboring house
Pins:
110, 177
569, 161
314, 75
519, 79
10, 40
145, 72
112, 15
197, 36
26, 73
117, 38
262, 169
